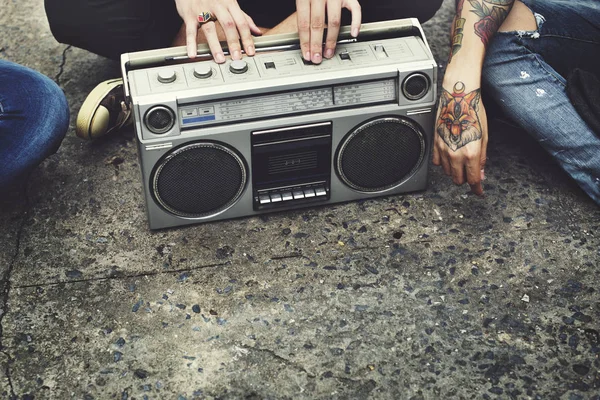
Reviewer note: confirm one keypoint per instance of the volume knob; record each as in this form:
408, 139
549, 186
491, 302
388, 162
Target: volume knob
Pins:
203, 71
238, 66
167, 76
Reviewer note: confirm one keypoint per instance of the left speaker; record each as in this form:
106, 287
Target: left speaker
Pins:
199, 179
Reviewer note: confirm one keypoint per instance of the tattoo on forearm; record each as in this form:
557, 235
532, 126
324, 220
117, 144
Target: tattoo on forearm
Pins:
458, 123
457, 30
491, 14
490, 18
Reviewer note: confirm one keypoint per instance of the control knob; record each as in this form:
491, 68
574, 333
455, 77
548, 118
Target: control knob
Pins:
167, 76
203, 71
238, 66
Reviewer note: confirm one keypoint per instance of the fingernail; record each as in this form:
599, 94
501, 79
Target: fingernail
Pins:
237, 55
328, 53
307, 56
250, 50
354, 32
482, 175
219, 57
316, 58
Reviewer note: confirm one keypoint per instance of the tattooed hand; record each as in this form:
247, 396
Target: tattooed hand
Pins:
461, 139
458, 122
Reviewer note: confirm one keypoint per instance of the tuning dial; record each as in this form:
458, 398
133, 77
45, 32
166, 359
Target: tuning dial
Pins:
203, 71
167, 76
238, 66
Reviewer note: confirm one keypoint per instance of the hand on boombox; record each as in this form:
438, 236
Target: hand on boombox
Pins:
311, 23
236, 25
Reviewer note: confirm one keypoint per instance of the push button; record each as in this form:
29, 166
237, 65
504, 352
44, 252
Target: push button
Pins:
264, 199
298, 194
320, 191
270, 65
345, 56
285, 196
275, 198
190, 112
309, 193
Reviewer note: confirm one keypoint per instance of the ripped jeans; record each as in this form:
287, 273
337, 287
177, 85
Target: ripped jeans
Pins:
525, 73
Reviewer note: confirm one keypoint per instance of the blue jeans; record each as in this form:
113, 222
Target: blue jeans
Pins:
34, 117
525, 73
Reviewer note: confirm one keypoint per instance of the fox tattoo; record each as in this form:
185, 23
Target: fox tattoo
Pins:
458, 123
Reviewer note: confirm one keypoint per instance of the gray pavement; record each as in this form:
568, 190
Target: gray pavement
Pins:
430, 295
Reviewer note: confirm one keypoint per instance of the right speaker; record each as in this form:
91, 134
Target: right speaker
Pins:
380, 154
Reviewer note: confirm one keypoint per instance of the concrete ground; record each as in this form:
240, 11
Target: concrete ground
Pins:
431, 295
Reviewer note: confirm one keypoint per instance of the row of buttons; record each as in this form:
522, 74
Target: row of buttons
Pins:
201, 71
204, 70
292, 195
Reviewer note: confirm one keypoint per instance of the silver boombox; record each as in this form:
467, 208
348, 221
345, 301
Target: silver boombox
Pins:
274, 132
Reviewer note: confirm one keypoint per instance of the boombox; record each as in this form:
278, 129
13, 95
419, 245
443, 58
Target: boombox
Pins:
274, 132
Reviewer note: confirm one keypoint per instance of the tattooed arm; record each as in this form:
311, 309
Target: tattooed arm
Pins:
461, 125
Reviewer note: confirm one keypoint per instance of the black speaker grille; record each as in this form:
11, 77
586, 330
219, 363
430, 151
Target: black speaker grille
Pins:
380, 154
160, 120
415, 86
199, 179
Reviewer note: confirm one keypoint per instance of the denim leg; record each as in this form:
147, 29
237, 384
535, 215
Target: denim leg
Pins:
530, 90
34, 117
569, 34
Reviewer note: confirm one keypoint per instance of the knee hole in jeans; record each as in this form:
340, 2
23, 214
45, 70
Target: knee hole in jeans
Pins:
520, 18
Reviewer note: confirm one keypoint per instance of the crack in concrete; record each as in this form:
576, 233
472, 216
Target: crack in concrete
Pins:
61, 67
4, 299
118, 276
292, 364
293, 255
146, 274
300, 368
